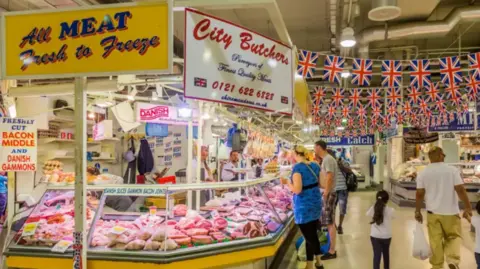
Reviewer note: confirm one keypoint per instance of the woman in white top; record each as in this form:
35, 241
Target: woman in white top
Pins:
381, 230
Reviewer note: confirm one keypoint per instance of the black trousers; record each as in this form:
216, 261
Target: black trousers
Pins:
477, 258
309, 232
381, 247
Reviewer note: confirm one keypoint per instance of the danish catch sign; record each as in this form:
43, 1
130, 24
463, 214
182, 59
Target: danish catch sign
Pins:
18, 139
153, 113
227, 63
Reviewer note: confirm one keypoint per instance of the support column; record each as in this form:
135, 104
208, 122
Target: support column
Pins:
189, 160
80, 235
199, 152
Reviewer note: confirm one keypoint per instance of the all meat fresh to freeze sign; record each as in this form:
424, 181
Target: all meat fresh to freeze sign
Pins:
18, 151
229, 64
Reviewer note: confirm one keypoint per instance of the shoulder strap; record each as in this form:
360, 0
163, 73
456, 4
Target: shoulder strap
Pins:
311, 170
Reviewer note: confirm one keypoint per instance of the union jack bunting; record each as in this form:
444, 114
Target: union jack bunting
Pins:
474, 64
331, 111
450, 70
362, 72
391, 73
374, 97
407, 108
325, 131
361, 121
439, 104
361, 111
394, 96
432, 122
472, 87
387, 121
371, 131
391, 111
420, 74
374, 122
307, 61
333, 68
413, 95
432, 92
355, 133
451, 116
363, 131
347, 133
338, 96
346, 111
332, 133
423, 105
400, 118
327, 122
453, 94
350, 122
354, 97
439, 120
340, 133
318, 95
316, 110
376, 112
465, 108
317, 120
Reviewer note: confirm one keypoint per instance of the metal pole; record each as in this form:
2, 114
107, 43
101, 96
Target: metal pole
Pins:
199, 152
79, 236
189, 160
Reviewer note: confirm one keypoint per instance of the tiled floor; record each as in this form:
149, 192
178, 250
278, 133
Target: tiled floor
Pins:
354, 247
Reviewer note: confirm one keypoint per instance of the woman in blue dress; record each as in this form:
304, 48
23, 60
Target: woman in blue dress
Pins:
307, 203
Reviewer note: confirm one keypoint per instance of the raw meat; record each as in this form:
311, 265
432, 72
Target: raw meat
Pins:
135, 245
254, 229
185, 224
238, 235
202, 239
220, 237
226, 208
197, 231
159, 234
237, 218
174, 234
171, 222
180, 210
254, 218
99, 240
152, 245
170, 244
243, 210
183, 241
205, 224
220, 223
67, 198
143, 235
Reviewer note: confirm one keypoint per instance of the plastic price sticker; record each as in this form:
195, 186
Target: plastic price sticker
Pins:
118, 230
62, 246
29, 229
153, 210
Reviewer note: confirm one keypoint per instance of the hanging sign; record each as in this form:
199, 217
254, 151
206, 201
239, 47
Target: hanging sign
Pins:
229, 64
18, 151
416, 135
154, 113
93, 41
364, 140
463, 122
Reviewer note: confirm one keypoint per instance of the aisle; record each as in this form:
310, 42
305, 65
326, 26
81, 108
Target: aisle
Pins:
354, 248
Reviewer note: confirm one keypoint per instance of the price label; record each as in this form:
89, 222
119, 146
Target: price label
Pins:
215, 214
62, 246
153, 210
29, 228
118, 230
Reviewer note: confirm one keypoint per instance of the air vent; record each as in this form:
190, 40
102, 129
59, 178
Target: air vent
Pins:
384, 10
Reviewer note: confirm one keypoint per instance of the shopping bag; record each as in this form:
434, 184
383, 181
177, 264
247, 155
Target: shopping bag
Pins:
301, 249
421, 248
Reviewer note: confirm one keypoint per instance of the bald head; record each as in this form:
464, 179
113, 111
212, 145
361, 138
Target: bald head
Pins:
436, 155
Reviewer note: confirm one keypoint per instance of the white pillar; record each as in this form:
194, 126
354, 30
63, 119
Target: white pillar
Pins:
199, 151
189, 159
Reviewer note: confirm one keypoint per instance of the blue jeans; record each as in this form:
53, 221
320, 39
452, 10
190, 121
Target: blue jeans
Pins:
477, 258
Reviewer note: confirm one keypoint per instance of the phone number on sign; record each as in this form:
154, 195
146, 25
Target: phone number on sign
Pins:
229, 87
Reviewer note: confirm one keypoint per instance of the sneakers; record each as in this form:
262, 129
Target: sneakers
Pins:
453, 266
340, 230
330, 256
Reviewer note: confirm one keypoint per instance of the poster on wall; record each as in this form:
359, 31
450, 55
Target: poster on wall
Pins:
461, 122
230, 64
154, 113
19, 144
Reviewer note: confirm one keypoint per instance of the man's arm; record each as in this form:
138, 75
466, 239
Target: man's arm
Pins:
419, 204
328, 183
462, 194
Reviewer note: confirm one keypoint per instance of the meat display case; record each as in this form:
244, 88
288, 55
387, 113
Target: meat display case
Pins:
248, 223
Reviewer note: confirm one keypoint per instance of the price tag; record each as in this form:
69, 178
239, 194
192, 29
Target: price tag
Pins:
215, 214
29, 228
153, 210
118, 230
62, 246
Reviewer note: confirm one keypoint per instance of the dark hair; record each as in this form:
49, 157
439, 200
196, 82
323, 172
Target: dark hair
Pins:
321, 144
379, 208
477, 207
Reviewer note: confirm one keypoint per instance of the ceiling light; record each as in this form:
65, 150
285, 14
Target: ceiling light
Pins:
345, 74
91, 115
347, 39
12, 111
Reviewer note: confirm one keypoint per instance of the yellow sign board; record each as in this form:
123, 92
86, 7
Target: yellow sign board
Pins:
131, 38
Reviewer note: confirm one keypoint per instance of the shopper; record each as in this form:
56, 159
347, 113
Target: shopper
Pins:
439, 184
342, 191
328, 177
3, 196
381, 229
307, 203
476, 225
227, 171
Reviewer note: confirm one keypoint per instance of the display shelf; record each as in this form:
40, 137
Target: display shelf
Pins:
55, 140
103, 159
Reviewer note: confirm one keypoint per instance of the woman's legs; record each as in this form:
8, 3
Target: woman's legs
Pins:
386, 252
377, 252
309, 232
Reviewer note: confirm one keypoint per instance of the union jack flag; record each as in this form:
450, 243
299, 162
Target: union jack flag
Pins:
387, 121
361, 121
362, 72
327, 122
432, 122
350, 122
439, 120
346, 111
413, 95
465, 108
307, 61
363, 132
423, 106
371, 131
474, 64
400, 118
333, 68
420, 75
374, 97
362, 112
376, 112
392, 111
325, 131
354, 97
332, 133
374, 122
391, 73
394, 96
318, 95
473, 87
407, 108
450, 71
355, 133
339, 133
451, 116
338, 96
316, 110
453, 93
331, 110
439, 104
347, 133
432, 92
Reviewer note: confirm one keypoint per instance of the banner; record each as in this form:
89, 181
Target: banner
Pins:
364, 140
132, 38
18, 151
229, 64
146, 112
461, 122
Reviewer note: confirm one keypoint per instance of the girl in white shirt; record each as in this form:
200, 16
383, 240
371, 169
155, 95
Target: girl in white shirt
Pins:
476, 224
381, 230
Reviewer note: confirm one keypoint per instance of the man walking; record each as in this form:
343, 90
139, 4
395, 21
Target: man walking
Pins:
439, 184
329, 170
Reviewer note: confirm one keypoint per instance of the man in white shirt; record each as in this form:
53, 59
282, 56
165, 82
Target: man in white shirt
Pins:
227, 171
439, 184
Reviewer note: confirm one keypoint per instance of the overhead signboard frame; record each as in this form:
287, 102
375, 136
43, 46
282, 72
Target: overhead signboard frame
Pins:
100, 40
